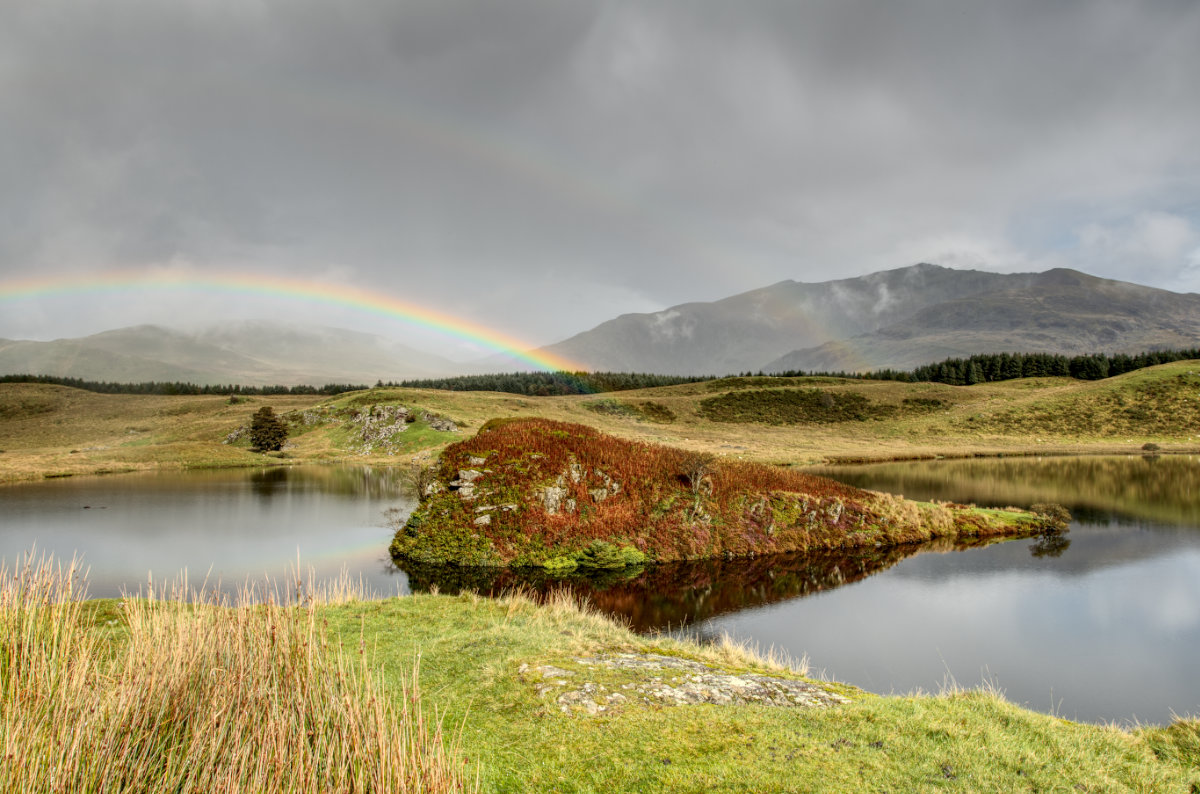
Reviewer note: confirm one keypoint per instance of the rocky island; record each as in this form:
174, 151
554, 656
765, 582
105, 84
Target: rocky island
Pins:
536, 492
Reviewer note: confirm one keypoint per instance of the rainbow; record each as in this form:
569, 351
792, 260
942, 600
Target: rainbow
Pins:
294, 289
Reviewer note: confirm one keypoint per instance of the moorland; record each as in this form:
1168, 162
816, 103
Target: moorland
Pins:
495, 671
48, 430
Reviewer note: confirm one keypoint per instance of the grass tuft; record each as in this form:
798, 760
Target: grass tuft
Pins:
205, 695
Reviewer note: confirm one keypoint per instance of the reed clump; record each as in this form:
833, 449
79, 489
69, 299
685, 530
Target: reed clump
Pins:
207, 694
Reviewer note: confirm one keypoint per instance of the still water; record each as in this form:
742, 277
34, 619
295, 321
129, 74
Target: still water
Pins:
1101, 625
226, 526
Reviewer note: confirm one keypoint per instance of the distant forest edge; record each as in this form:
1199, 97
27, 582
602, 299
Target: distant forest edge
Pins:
987, 368
553, 384
175, 387
981, 368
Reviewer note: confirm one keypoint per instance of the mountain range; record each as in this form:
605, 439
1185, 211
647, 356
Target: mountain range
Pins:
896, 318
250, 353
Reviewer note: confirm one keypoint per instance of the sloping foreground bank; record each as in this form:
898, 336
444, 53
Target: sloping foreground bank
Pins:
522, 686
535, 492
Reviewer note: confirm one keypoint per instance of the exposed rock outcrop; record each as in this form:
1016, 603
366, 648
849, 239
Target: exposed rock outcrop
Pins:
669, 681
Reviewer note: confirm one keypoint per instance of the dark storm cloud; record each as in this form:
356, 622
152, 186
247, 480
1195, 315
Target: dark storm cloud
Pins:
543, 166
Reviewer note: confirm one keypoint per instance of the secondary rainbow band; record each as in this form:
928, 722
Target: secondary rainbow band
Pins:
296, 289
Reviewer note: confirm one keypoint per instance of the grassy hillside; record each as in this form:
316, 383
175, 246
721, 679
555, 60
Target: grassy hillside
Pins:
48, 430
538, 493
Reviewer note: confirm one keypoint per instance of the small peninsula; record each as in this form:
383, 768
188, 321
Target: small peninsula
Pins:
543, 493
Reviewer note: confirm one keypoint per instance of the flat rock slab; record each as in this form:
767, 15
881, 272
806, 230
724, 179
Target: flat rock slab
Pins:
672, 681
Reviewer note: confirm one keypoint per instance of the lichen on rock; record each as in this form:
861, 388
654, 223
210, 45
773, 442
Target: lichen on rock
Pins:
669, 681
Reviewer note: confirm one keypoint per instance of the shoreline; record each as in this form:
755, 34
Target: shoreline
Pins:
1102, 449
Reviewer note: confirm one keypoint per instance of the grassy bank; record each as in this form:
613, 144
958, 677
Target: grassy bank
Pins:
538, 493
95, 689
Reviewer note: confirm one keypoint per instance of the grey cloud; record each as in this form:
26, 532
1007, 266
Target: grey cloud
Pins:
546, 165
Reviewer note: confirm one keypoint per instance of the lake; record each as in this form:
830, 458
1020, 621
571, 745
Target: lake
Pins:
1102, 624
228, 526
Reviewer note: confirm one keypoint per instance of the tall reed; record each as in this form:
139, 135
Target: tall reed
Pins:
205, 696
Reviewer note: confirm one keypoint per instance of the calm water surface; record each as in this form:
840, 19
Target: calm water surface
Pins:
1101, 625
227, 525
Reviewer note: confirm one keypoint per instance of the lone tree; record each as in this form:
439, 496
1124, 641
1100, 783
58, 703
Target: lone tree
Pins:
267, 430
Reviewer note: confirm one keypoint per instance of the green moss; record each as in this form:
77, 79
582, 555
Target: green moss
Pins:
560, 565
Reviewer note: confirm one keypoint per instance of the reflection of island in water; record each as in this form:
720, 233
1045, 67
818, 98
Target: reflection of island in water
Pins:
678, 594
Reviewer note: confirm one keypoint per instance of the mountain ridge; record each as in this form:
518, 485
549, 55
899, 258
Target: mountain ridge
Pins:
896, 318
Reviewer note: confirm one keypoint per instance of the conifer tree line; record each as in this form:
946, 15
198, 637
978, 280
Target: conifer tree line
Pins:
979, 368
176, 387
547, 384
991, 367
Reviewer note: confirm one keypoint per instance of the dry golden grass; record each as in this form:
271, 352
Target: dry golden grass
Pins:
52, 430
205, 696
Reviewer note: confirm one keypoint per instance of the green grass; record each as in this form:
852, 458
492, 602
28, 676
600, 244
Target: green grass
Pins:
472, 648
128, 679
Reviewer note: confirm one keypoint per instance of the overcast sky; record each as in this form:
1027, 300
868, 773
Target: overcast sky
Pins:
540, 167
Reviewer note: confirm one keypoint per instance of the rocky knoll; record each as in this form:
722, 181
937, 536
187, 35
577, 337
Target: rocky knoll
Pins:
556, 495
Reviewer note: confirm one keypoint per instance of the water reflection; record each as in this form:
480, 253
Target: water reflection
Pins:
1052, 545
227, 525
1163, 489
676, 595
